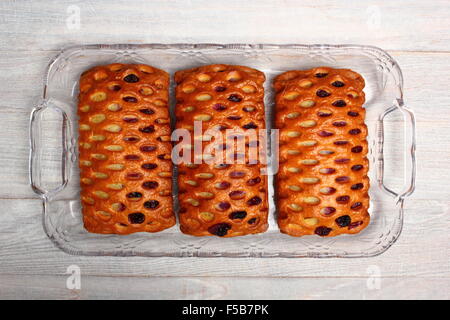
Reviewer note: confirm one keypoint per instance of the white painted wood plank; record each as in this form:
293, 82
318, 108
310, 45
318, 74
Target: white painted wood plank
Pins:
365, 287
407, 25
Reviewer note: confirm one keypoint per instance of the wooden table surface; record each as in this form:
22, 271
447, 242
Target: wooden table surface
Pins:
415, 33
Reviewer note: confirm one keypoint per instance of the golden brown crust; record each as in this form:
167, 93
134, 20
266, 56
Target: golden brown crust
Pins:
124, 149
322, 184
226, 201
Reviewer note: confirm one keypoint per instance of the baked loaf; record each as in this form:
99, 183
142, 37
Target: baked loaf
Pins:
322, 184
222, 198
124, 149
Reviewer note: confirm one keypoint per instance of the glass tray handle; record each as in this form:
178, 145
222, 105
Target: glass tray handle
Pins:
410, 150
36, 143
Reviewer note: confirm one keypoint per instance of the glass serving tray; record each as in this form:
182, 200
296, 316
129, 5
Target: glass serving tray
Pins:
54, 173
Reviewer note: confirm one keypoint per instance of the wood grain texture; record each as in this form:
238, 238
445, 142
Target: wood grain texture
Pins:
54, 287
416, 33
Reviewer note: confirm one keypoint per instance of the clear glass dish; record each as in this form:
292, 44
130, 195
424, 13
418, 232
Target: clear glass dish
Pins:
54, 173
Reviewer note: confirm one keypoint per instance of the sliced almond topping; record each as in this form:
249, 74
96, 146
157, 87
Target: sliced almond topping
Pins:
114, 147
162, 120
98, 137
311, 200
205, 195
293, 152
248, 89
98, 156
307, 103
191, 182
146, 91
310, 180
101, 194
327, 190
160, 103
327, 170
146, 69
295, 227
88, 200
115, 166
293, 134
309, 162
204, 175
86, 181
85, 108
353, 94
114, 107
113, 128
206, 216
84, 127
165, 174
189, 109
100, 75
98, 96
291, 95
165, 193
295, 188
311, 221
85, 87
308, 143
204, 77
233, 76
203, 97
307, 123
193, 202
164, 138
117, 206
219, 68
188, 88
115, 186
188, 127
295, 207
86, 163
99, 175
202, 117
85, 145
97, 118
116, 67
305, 84
293, 115
103, 215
